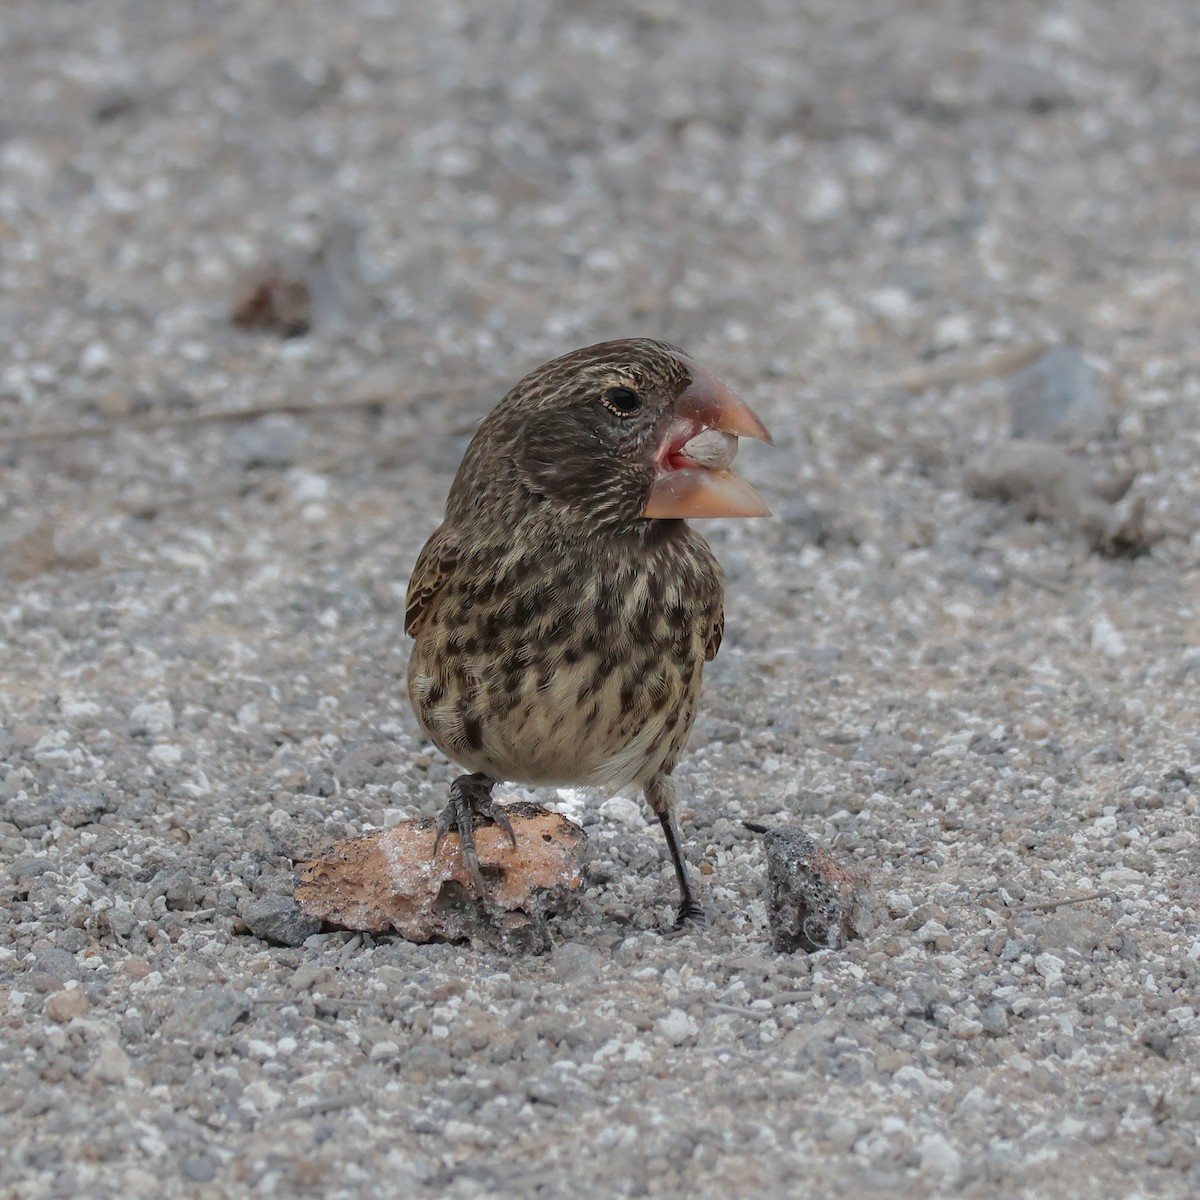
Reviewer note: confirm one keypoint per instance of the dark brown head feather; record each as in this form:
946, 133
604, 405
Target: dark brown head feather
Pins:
564, 436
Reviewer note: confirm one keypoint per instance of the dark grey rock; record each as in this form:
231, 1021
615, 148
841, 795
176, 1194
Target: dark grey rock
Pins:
198, 1168
573, 963
994, 1020
25, 869
278, 919
31, 812
57, 963
298, 840
80, 808
210, 1013
812, 901
1075, 929
181, 892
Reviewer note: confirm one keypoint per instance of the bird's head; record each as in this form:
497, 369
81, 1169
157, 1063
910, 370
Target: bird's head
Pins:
622, 432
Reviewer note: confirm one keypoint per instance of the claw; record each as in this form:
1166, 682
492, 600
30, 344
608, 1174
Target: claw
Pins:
500, 817
471, 799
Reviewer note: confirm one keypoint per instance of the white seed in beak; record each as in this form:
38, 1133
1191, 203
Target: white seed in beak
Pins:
710, 448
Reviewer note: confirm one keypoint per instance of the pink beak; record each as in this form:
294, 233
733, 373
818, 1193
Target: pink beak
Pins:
682, 488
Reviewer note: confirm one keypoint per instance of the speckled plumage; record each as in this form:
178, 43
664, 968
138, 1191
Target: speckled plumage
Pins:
560, 660
560, 636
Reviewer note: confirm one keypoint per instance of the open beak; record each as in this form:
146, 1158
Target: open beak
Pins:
704, 486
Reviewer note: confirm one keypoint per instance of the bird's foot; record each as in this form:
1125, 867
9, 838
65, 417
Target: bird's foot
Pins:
471, 803
691, 918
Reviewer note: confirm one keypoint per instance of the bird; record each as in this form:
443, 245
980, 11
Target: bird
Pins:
563, 611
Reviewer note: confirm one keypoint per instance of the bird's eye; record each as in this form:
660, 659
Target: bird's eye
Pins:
622, 400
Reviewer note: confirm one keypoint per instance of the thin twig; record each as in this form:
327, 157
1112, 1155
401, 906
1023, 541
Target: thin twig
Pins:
735, 1010
317, 1108
156, 421
1049, 905
1034, 581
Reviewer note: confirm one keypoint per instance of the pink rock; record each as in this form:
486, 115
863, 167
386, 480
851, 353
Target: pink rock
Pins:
391, 881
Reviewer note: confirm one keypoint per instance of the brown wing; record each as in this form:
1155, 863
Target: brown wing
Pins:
434, 566
714, 637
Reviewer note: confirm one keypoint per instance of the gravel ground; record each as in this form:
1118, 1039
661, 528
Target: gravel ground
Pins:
867, 216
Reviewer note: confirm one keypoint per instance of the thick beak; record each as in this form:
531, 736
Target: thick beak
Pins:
707, 400
683, 488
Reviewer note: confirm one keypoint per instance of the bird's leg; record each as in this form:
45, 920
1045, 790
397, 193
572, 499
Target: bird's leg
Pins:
660, 795
471, 799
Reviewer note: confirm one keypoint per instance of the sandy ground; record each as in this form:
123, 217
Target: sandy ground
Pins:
865, 215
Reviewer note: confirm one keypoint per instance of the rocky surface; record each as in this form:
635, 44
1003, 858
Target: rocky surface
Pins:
868, 217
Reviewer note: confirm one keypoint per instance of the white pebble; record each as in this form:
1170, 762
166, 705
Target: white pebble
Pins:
623, 812
939, 1158
711, 448
1106, 639
676, 1026
155, 717
95, 359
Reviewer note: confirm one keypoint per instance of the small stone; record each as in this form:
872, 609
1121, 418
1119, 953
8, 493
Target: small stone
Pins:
57, 963
305, 975
994, 1020
826, 199
151, 719
80, 808
424, 1063
934, 933
95, 359
24, 869
965, 1029
166, 755
1057, 393
1073, 929
1007, 80
278, 919
181, 892
28, 812
951, 331
1048, 482
939, 1158
676, 1027
211, 1012
573, 963
270, 441
111, 1064
624, 812
66, 1005
297, 840
812, 901
842, 1134
79, 714
711, 448
199, 1169
1106, 638
1049, 967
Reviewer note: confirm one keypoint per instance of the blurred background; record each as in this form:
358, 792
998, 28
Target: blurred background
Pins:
795, 189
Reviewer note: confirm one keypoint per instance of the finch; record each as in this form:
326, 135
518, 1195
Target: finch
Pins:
564, 610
